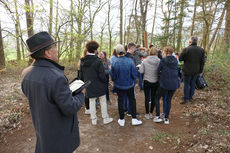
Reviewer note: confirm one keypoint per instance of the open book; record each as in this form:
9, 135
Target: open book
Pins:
77, 86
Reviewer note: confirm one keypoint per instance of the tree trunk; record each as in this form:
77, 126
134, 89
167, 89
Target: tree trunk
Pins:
109, 27
29, 17
51, 17
2, 57
181, 16
143, 19
217, 28
193, 18
154, 20
227, 28
17, 31
136, 23
71, 32
121, 21
29, 21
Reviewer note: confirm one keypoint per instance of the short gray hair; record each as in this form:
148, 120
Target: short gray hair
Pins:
120, 49
194, 39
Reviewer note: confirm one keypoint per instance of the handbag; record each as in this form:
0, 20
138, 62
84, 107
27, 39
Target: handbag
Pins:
200, 82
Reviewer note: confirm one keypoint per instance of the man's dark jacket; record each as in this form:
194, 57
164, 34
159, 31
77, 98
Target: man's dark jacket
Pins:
92, 69
193, 57
52, 106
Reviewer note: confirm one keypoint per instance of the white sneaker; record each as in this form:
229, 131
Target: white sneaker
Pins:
147, 116
157, 119
87, 111
166, 121
121, 122
136, 121
150, 115
94, 121
107, 120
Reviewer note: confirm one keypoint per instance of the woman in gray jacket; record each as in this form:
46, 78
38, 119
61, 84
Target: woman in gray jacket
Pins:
149, 68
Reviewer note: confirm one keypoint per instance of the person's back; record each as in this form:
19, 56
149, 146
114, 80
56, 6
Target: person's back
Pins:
124, 73
193, 57
92, 69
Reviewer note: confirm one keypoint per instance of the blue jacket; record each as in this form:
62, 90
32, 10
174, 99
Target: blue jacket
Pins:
53, 108
168, 73
123, 73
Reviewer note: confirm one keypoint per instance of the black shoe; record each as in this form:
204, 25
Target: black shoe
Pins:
184, 102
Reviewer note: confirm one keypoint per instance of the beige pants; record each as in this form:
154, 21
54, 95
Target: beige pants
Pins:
92, 107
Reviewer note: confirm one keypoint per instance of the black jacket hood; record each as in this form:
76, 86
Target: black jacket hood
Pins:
170, 60
88, 60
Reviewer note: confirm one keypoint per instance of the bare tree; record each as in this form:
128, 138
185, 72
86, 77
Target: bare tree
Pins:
51, 17
154, 20
121, 21
29, 17
227, 27
144, 8
181, 17
2, 57
194, 17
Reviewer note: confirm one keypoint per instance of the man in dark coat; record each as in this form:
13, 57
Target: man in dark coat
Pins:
92, 69
52, 105
193, 57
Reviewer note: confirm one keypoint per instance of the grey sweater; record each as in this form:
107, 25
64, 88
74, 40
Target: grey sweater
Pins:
149, 67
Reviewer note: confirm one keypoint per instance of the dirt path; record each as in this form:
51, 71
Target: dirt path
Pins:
149, 137
202, 126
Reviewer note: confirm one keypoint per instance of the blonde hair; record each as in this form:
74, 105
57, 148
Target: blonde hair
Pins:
153, 51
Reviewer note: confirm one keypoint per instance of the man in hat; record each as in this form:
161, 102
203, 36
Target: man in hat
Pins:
124, 73
52, 105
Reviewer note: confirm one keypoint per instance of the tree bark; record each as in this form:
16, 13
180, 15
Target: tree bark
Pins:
121, 21
51, 17
217, 28
2, 56
193, 18
181, 16
109, 27
29, 17
154, 20
17, 31
227, 28
71, 31
143, 20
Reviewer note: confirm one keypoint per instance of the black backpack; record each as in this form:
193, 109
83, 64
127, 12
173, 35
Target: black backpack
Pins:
200, 82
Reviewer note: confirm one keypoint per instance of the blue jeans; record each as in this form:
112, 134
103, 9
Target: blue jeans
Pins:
161, 92
189, 86
165, 102
140, 79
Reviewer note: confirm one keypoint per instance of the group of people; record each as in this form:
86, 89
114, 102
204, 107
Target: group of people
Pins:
54, 108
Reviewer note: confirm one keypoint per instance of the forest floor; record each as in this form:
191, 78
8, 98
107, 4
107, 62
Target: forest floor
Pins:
201, 126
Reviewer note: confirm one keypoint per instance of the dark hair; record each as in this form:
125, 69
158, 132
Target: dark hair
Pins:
115, 52
138, 46
150, 46
40, 53
126, 48
194, 39
91, 46
131, 44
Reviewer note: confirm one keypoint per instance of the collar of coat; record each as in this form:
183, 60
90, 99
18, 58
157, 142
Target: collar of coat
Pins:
45, 61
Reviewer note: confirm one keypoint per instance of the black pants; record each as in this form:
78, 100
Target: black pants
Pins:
132, 101
86, 102
148, 86
160, 93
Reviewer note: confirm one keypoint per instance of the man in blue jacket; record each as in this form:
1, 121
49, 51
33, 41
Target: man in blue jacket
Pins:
124, 73
52, 105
